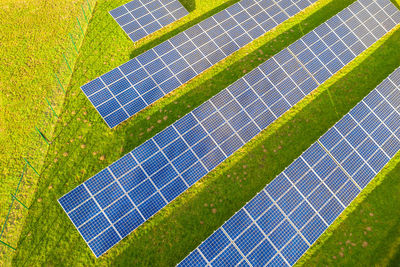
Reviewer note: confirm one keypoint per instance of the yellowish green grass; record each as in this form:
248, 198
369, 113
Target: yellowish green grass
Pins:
34, 34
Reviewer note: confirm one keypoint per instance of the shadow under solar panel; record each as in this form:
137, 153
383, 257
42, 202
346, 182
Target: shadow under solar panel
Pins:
281, 222
129, 88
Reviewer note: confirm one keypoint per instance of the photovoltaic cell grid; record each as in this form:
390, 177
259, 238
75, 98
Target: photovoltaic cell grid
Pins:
282, 221
140, 18
152, 175
129, 88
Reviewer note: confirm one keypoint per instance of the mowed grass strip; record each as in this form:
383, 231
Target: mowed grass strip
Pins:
85, 145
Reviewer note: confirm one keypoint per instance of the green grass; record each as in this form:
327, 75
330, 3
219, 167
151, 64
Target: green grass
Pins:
84, 144
34, 34
370, 233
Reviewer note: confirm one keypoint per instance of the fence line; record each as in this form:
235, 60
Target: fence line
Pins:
48, 116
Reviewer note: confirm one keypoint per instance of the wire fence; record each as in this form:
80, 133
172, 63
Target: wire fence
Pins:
41, 135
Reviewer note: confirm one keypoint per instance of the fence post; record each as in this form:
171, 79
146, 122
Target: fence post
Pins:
72, 40
66, 61
59, 82
90, 8
84, 14
9, 210
19, 201
80, 26
7, 245
31, 166
42, 135
55, 114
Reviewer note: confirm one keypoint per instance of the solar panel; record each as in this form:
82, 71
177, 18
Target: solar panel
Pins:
153, 174
281, 222
129, 88
140, 18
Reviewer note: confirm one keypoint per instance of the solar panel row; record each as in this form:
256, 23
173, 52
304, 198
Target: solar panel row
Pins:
129, 88
282, 221
140, 18
131, 190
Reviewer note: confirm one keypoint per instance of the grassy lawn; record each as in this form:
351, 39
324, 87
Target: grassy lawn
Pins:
84, 145
34, 34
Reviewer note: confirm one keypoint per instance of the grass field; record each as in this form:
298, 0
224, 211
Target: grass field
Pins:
84, 145
34, 34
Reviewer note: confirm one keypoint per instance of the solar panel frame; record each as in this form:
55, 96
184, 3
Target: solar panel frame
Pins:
202, 138
140, 18
147, 87
318, 217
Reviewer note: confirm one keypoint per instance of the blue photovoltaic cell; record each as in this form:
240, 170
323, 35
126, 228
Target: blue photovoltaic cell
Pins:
249, 239
237, 224
105, 240
230, 257
270, 219
258, 204
160, 169
140, 18
262, 254
74, 198
128, 223
94, 227
124, 91
298, 210
214, 244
